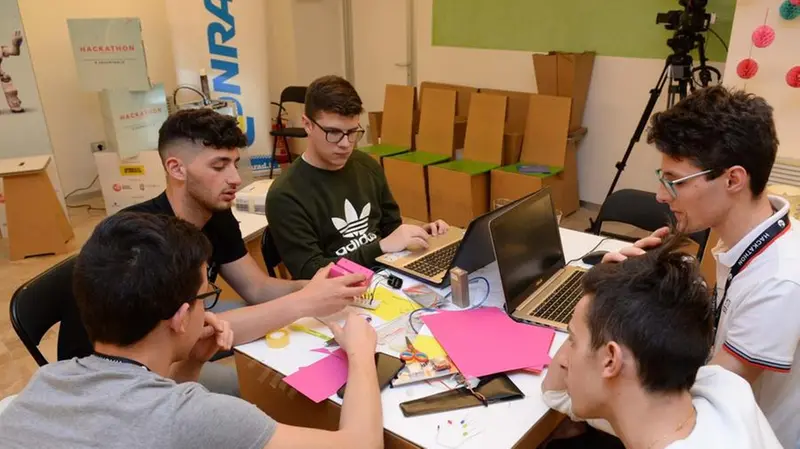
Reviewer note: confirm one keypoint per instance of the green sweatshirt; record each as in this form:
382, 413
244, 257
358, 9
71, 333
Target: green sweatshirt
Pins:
318, 216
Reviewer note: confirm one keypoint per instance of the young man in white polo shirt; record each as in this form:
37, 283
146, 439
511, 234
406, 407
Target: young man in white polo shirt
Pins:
718, 149
633, 362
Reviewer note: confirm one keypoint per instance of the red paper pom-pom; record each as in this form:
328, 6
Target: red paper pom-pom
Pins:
793, 77
763, 36
795, 2
747, 68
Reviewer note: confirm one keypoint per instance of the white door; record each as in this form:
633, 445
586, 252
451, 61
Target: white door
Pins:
380, 45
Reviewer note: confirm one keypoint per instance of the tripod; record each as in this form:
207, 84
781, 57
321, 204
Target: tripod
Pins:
678, 71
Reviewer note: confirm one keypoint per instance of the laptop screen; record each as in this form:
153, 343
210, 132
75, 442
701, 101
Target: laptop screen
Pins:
527, 245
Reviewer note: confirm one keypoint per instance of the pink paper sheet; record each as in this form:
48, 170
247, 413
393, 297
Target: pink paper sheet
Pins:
487, 341
321, 379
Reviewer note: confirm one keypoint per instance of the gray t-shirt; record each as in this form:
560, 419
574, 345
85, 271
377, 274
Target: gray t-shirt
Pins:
98, 403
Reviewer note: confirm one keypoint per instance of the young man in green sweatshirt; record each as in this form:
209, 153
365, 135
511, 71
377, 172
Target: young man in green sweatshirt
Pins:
334, 202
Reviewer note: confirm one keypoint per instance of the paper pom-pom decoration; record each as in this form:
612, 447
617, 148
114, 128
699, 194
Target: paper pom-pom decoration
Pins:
747, 68
790, 10
763, 36
793, 77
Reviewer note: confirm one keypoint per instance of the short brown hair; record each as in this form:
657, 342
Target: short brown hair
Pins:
716, 128
332, 94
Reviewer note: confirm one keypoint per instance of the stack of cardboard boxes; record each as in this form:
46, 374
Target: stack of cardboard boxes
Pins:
499, 136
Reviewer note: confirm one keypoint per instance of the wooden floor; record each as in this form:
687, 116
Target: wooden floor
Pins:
17, 366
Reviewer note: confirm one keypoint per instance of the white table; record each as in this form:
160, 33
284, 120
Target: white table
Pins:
504, 423
251, 225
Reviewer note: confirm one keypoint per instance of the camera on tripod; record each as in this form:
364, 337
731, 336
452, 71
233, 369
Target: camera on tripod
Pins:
688, 25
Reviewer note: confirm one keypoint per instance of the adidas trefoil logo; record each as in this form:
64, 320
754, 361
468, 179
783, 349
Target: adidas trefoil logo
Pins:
354, 226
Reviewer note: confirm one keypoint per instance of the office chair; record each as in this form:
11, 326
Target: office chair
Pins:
640, 209
291, 94
270, 252
39, 304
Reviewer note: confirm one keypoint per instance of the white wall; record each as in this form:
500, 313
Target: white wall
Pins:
281, 45
319, 39
774, 61
73, 116
619, 92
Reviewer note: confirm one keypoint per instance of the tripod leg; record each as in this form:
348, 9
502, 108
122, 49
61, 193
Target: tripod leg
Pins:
655, 93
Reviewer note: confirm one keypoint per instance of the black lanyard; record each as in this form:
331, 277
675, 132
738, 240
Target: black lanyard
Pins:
117, 359
759, 244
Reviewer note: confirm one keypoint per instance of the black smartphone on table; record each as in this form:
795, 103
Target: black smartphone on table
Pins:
387, 368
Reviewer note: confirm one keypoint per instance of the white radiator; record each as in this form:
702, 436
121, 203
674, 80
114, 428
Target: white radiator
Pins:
786, 172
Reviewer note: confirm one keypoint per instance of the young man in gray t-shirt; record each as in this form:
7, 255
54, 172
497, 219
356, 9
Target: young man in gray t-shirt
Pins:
140, 286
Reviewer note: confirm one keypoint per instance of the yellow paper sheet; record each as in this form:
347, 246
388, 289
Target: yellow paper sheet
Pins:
430, 346
392, 305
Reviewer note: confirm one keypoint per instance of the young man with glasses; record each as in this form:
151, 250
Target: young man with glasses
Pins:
718, 149
140, 281
200, 150
335, 202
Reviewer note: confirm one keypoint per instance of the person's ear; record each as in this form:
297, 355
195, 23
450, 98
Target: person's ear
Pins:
175, 168
180, 321
307, 124
611, 358
738, 179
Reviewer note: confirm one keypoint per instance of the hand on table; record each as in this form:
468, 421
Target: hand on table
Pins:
357, 337
637, 249
324, 296
404, 236
216, 336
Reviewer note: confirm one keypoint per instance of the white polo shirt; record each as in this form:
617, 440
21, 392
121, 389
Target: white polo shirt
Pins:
760, 320
727, 415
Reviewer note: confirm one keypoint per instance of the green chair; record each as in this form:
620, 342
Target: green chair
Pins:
397, 124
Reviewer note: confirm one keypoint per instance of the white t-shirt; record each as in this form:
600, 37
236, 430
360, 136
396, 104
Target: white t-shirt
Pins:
760, 321
727, 414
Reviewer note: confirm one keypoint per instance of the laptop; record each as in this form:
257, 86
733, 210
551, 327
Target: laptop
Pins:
538, 284
469, 250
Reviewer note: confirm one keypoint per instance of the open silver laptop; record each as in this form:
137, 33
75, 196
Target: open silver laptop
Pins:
539, 286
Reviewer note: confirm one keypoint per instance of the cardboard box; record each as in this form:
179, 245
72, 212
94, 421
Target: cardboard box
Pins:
459, 190
396, 123
566, 75
512, 146
407, 173
507, 184
374, 130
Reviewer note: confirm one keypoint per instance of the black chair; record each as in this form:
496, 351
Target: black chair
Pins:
291, 94
42, 302
270, 252
640, 209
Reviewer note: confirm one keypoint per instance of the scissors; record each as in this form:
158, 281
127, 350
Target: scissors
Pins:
412, 355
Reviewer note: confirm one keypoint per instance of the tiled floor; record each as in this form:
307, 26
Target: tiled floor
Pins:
16, 365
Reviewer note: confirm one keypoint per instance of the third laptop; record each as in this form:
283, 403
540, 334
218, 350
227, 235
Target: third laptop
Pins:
539, 286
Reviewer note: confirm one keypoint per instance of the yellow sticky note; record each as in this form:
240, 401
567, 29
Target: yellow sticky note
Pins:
392, 305
430, 346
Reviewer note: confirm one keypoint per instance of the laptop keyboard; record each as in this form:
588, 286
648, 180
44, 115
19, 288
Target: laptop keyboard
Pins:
558, 307
435, 262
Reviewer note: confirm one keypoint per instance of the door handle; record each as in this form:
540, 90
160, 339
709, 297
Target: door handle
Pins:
404, 64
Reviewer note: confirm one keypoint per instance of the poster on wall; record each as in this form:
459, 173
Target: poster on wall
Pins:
130, 181
229, 41
109, 53
23, 130
132, 119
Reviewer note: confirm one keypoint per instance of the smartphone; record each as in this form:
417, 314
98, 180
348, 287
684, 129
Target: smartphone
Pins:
387, 368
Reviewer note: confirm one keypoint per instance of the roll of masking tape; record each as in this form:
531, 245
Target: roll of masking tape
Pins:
278, 339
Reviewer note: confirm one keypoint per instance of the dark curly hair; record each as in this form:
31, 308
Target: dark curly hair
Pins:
717, 128
136, 270
658, 306
203, 126
332, 94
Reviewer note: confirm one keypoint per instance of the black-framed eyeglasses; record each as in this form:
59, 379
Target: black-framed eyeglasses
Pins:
209, 298
333, 135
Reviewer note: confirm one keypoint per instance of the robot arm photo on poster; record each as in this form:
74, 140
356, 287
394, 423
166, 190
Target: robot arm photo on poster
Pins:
11, 94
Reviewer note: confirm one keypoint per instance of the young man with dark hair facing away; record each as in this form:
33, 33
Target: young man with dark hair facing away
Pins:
633, 363
140, 283
718, 147
200, 150
335, 202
